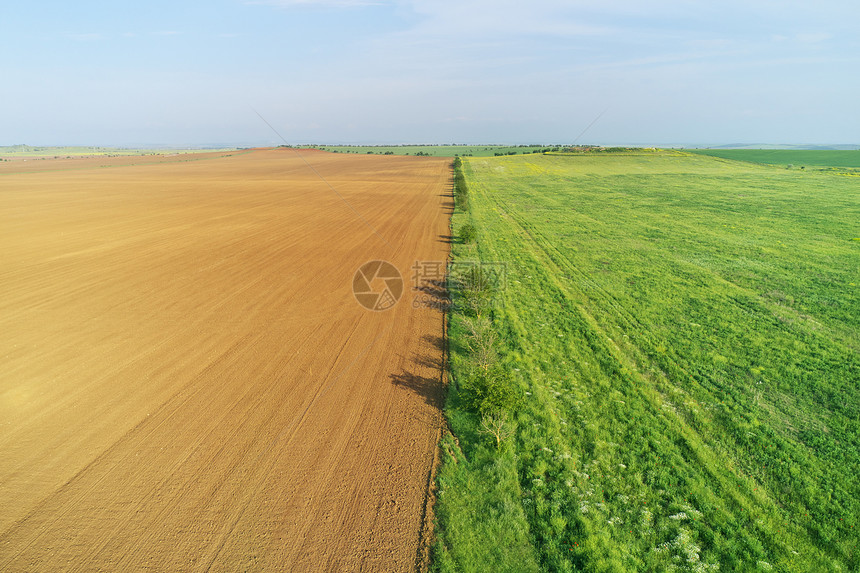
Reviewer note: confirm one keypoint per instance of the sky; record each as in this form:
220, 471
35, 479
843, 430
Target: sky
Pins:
221, 72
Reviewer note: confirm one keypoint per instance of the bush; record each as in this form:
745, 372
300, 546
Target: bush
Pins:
468, 233
490, 393
476, 290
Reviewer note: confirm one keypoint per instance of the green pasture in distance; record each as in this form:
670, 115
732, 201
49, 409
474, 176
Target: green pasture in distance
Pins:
685, 333
794, 157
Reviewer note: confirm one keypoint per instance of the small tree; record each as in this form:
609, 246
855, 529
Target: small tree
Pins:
498, 426
481, 342
495, 397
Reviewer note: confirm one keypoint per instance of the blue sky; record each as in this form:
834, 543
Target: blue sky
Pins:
436, 71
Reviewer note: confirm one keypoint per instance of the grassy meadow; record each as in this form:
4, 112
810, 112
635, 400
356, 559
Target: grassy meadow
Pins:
682, 332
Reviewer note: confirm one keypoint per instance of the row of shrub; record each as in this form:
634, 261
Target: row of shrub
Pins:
480, 523
485, 388
461, 190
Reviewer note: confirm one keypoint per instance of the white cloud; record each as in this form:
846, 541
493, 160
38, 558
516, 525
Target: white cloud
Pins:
318, 3
813, 37
88, 37
501, 18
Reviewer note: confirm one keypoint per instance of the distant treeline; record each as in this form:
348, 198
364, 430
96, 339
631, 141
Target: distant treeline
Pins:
455, 150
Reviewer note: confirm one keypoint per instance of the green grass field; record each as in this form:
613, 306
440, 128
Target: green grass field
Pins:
785, 157
685, 332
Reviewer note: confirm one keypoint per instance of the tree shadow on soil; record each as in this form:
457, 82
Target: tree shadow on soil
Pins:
428, 388
431, 388
435, 289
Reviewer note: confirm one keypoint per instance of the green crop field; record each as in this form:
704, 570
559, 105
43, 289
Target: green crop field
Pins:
681, 337
785, 157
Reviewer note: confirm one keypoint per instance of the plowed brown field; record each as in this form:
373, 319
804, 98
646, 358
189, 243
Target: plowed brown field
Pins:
188, 383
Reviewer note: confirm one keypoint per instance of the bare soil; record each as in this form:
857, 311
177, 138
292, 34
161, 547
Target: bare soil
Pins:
188, 383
